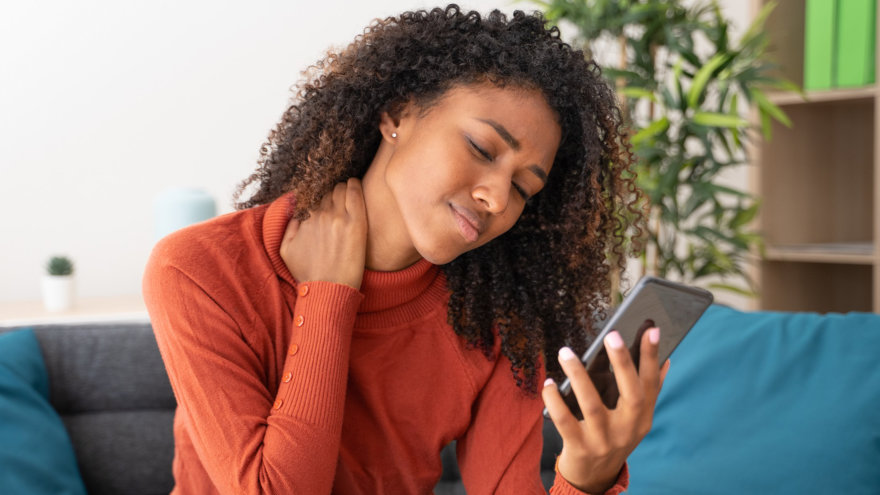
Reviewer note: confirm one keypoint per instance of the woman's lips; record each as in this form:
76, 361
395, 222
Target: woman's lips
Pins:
469, 224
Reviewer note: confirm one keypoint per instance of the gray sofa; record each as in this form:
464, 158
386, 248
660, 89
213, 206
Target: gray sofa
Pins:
108, 384
755, 402
110, 388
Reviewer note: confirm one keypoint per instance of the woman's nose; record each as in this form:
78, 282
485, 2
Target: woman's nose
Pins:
493, 194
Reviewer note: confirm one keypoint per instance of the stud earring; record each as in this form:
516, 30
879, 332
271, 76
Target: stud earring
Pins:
394, 134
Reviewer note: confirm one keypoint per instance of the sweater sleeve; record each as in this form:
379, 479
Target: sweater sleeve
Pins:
251, 439
501, 450
563, 487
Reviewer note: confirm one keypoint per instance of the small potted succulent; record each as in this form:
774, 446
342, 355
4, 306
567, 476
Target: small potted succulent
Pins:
58, 284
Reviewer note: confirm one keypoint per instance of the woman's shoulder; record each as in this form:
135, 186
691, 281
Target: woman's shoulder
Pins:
212, 247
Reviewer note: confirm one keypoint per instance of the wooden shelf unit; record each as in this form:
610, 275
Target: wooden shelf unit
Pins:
819, 183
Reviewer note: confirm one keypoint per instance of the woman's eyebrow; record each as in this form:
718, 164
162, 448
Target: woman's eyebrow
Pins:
505, 135
539, 172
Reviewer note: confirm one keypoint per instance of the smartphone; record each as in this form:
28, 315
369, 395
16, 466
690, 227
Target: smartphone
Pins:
654, 302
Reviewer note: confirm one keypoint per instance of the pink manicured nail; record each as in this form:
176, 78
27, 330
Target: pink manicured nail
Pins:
565, 354
613, 340
654, 335
548, 382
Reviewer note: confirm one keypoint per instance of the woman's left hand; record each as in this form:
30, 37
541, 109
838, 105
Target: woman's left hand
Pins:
595, 449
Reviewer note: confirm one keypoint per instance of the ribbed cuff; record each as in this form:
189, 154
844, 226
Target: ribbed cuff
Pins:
561, 486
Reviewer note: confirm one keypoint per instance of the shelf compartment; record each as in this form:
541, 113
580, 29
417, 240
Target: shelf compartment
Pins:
818, 287
857, 253
786, 26
822, 175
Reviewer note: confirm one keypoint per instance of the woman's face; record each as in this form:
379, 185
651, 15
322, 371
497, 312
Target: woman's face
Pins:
459, 174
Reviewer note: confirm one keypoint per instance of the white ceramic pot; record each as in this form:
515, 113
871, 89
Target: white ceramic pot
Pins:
58, 293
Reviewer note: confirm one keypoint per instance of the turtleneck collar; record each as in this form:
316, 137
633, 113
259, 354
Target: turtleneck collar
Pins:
389, 297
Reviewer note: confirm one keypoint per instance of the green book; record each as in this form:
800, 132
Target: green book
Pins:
819, 43
855, 42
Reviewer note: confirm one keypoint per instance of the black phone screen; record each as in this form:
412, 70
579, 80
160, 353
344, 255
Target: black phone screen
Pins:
670, 306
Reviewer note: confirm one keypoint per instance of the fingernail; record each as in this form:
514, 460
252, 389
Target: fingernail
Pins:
565, 354
613, 340
548, 382
654, 335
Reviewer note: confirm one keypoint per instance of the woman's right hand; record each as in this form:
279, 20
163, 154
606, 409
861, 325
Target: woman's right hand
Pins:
595, 448
331, 244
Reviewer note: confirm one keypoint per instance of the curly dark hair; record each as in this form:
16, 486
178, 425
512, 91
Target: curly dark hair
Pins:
545, 282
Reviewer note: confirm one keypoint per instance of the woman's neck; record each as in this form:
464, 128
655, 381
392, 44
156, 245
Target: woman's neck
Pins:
389, 247
382, 255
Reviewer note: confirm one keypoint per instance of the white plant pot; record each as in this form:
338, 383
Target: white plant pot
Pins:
58, 293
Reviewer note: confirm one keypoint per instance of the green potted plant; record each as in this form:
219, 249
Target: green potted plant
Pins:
685, 86
58, 287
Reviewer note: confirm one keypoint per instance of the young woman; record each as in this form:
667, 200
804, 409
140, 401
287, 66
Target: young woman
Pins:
429, 224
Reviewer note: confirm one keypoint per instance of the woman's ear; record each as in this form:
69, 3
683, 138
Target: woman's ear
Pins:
388, 126
395, 120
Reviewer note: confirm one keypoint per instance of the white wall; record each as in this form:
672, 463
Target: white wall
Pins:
104, 104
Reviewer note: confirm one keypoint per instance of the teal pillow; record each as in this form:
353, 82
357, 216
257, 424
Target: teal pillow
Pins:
36, 456
764, 402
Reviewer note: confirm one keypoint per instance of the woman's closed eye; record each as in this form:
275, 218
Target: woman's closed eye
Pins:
522, 192
489, 158
480, 151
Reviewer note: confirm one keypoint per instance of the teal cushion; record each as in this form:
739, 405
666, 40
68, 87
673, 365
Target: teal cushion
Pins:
764, 402
36, 456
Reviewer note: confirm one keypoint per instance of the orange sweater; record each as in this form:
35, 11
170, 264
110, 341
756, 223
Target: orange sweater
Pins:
316, 387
